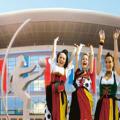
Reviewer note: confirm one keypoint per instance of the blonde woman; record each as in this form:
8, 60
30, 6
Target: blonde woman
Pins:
81, 107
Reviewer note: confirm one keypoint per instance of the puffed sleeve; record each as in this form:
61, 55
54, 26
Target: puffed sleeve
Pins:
52, 63
117, 78
98, 77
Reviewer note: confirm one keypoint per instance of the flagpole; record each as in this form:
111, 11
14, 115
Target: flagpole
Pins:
5, 59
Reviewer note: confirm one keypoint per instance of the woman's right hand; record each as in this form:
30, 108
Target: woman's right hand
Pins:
102, 36
79, 48
54, 48
56, 40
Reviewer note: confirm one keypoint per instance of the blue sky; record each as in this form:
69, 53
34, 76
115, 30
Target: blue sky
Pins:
107, 6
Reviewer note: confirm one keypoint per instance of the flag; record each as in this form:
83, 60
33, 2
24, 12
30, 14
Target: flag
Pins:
71, 76
4, 81
93, 77
47, 74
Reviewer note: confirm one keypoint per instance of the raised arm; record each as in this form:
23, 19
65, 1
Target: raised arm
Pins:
72, 55
77, 55
91, 58
54, 48
42, 62
102, 38
116, 56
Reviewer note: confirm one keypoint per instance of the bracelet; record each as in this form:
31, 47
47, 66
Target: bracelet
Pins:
91, 54
101, 42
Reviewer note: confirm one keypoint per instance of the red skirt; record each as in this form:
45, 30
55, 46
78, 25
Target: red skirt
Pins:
80, 108
84, 105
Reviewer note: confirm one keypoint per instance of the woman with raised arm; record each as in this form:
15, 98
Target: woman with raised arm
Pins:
107, 108
56, 97
116, 56
81, 103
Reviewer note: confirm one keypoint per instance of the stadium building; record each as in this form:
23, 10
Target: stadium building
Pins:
36, 39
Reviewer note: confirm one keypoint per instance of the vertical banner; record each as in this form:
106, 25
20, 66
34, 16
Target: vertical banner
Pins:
4, 86
71, 76
47, 74
93, 77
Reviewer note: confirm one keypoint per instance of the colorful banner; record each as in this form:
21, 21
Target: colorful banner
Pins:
71, 76
93, 77
47, 74
4, 81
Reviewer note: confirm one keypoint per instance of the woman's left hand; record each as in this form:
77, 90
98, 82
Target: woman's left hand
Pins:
116, 34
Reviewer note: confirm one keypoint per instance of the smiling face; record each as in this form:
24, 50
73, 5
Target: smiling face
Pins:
84, 61
61, 59
109, 63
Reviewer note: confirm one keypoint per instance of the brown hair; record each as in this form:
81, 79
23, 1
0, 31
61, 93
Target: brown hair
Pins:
110, 55
84, 54
66, 53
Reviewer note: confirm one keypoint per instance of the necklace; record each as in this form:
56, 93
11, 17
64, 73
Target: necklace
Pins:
108, 75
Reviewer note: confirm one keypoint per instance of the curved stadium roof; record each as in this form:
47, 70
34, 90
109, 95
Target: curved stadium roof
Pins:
71, 25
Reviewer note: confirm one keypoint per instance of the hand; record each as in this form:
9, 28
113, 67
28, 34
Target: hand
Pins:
82, 45
91, 47
75, 49
56, 40
75, 45
102, 36
116, 34
79, 48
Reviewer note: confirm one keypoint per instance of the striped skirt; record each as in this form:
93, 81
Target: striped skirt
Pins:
107, 109
81, 105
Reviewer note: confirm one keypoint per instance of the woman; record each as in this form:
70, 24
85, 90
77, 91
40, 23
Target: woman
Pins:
116, 56
81, 103
56, 97
107, 108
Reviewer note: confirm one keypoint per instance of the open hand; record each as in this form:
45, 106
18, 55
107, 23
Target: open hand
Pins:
102, 35
116, 34
56, 39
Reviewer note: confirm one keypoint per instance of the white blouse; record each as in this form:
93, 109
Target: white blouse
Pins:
110, 80
61, 70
